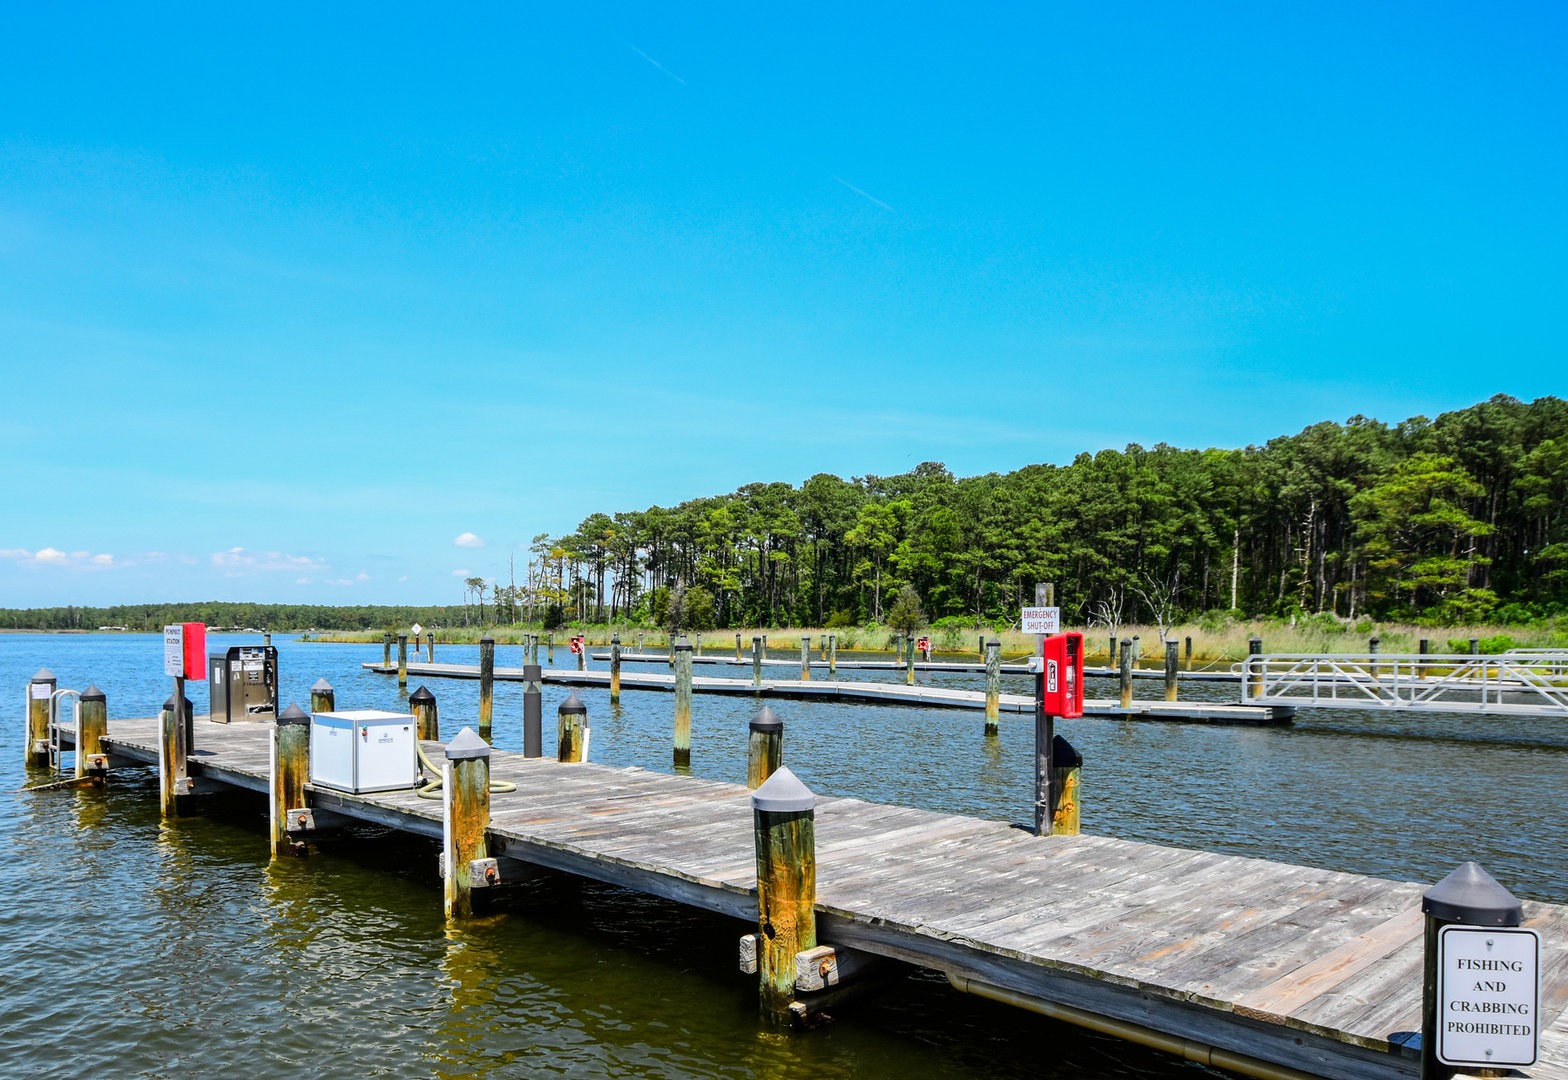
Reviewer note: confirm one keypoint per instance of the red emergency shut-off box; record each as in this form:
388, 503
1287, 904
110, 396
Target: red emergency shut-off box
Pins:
1061, 675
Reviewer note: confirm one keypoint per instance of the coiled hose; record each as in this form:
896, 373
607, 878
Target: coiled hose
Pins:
432, 790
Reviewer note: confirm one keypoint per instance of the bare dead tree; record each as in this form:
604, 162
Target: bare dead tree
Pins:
1161, 595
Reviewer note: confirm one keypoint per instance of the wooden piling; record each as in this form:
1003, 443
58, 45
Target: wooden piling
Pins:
93, 726
402, 660
1475, 646
909, 663
427, 715
40, 688
756, 662
682, 703
784, 813
549, 648
805, 658
1255, 670
1373, 645
615, 670
1469, 896
1044, 766
465, 820
1172, 649
322, 697
1189, 652
1126, 673
737, 647
765, 748
1111, 663
582, 652
173, 749
833, 654
430, 647
993, 687
290, 767
486, 685
1423, 647
1066, 781
386, 650
572, 732
533, 711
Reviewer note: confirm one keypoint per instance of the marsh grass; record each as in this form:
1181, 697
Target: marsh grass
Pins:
1215, 640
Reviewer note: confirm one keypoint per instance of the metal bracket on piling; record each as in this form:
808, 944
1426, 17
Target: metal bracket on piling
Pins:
483, 873
300, 819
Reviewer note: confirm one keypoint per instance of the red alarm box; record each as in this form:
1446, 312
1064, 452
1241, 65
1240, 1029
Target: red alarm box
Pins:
1061, 677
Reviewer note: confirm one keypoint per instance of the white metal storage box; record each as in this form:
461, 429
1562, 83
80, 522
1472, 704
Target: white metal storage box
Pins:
363, 750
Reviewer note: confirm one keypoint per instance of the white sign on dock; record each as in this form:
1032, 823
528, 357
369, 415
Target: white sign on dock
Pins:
1042, 620
1488, 995
174, 650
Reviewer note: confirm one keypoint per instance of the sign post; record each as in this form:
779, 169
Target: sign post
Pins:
1481, 984
184, 657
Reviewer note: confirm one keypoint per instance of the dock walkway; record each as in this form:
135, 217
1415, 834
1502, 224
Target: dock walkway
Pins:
970, 666
871, 693
1310, 969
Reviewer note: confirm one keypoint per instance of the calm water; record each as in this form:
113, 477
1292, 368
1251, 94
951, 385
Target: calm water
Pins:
138, 948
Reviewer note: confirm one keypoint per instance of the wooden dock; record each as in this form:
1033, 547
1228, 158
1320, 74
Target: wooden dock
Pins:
870, 693
973, 667
1289, 966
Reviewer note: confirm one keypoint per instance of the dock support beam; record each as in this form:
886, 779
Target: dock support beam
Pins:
322, 697
40, 689
402, 660
784, 813
486, 685
1469, 896
1172, 648
993, 687
682, 753
615, 670
765, 748
572, 730
286, 804
427, 715
94, 725
466, 817
1126, 673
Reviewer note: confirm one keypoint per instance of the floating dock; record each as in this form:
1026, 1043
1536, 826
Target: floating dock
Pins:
1244, 964
871, 693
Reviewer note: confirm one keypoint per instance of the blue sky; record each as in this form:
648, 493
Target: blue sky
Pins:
292, 298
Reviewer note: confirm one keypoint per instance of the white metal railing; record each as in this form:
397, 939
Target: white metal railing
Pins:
56, 748
1529, 684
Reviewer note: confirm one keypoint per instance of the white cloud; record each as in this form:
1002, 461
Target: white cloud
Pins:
237, 562
460, 573
76, 560
468, 539
361, 576
302, 581
51, 555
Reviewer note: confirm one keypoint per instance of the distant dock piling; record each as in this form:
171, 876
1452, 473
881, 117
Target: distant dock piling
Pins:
486, 685
682, 747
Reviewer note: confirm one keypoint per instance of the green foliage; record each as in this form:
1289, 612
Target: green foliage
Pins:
840, 618
907, 615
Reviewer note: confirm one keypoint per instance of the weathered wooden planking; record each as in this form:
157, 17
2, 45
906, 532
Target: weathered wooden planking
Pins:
1310, 968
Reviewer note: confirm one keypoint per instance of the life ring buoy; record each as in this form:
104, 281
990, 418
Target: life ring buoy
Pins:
577, 644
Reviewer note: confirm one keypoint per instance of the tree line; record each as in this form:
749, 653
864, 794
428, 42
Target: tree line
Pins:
1457, 520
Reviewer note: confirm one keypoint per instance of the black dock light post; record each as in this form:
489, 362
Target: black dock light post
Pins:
1470, 897
765, 748
533, 711
572, 733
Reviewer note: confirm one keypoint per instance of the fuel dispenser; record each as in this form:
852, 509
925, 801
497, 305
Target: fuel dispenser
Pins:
243, 683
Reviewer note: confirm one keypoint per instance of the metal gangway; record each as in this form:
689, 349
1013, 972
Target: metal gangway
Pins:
1522, 684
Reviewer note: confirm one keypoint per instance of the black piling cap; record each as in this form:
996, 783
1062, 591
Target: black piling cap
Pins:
421, 697
1471, 895
92, 693
1063, 756
168, 703
487, 640
467, 747
321, 686
766, 721
293, 715
44, 675
573, 704
616, 640
681, 644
